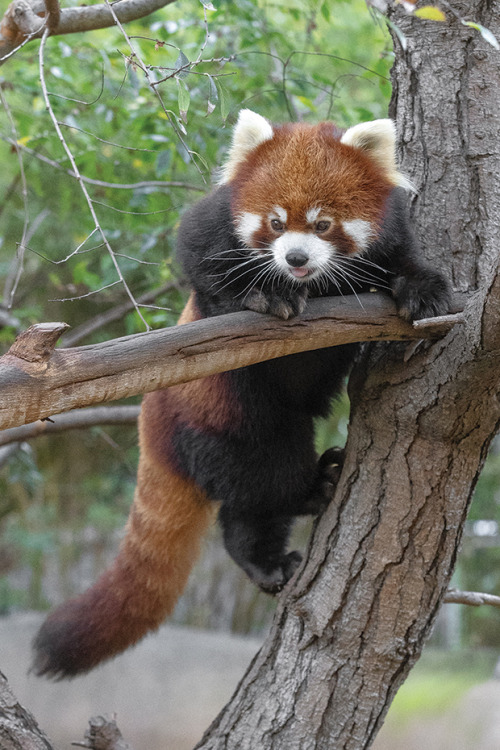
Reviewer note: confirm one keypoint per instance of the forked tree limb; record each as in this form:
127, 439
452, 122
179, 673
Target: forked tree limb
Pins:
24, 20
37, 381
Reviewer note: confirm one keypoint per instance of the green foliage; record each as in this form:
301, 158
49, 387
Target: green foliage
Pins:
159, 115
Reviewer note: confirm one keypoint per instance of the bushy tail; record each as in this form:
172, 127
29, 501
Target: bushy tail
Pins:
168, 518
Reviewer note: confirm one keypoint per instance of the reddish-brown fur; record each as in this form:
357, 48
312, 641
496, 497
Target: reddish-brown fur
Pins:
169, 516
308, 166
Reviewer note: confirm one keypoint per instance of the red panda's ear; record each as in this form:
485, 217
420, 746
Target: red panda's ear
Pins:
378, 140
249, 132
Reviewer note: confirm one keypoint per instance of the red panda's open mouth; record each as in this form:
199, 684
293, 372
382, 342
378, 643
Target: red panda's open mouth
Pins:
300, 272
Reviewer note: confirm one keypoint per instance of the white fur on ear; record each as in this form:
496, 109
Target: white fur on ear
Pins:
249, 132
378, 139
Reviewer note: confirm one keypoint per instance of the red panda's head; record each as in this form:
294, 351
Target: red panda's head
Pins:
309, 193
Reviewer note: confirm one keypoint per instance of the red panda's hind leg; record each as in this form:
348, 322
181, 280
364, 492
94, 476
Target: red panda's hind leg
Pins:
258, 545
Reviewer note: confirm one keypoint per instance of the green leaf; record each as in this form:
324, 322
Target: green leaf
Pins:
213, 96
224, 103
183, 98
431, 13
163, 162
182, 65
325, 11
485, 33
81, 275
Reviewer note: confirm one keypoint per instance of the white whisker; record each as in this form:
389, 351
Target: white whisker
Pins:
347, 280
361, 277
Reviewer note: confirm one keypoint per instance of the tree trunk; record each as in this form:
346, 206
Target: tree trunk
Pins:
354, 621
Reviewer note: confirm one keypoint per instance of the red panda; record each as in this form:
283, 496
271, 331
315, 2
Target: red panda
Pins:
301, 211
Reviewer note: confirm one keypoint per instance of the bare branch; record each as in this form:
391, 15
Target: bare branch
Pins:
77, 419
6, 319
23, 20
471, 598
35, 388
79, 177
16, 269
156, 184
115, 313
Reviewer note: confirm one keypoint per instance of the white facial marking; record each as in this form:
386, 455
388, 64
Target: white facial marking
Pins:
360, 231
279, 213
247, 224
318, 251
312, 215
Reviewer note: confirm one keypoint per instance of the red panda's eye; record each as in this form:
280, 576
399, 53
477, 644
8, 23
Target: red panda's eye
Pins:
322, 226
277, 225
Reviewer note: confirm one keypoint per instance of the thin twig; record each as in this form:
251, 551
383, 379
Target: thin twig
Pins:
79, 177
89, 294
30, 36
471, 598
76, 419
15, 273
135, 59
102, 140
157, 184
75, 336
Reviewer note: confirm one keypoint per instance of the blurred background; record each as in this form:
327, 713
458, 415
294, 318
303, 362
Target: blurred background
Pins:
146, 153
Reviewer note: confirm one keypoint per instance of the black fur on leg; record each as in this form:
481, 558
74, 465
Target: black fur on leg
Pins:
425, 294
258, 546
328, 473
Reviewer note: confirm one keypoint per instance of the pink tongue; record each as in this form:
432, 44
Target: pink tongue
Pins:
299, 272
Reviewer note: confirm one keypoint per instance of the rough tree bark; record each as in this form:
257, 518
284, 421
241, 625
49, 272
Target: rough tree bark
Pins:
353, 622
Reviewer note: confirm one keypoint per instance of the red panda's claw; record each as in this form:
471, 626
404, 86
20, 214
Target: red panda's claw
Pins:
283, 305
425, 294
274, 580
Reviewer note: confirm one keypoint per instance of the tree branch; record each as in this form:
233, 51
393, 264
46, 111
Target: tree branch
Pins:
53, 13
38, 381
97, 226
471, 598
25, 20
157, 184
103, 734
115, 313
72, 420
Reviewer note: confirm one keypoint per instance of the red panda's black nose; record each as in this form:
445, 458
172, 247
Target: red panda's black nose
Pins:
296, 258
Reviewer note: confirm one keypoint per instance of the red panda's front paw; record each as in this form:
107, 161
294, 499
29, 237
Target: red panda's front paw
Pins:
283, 305
424, 295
